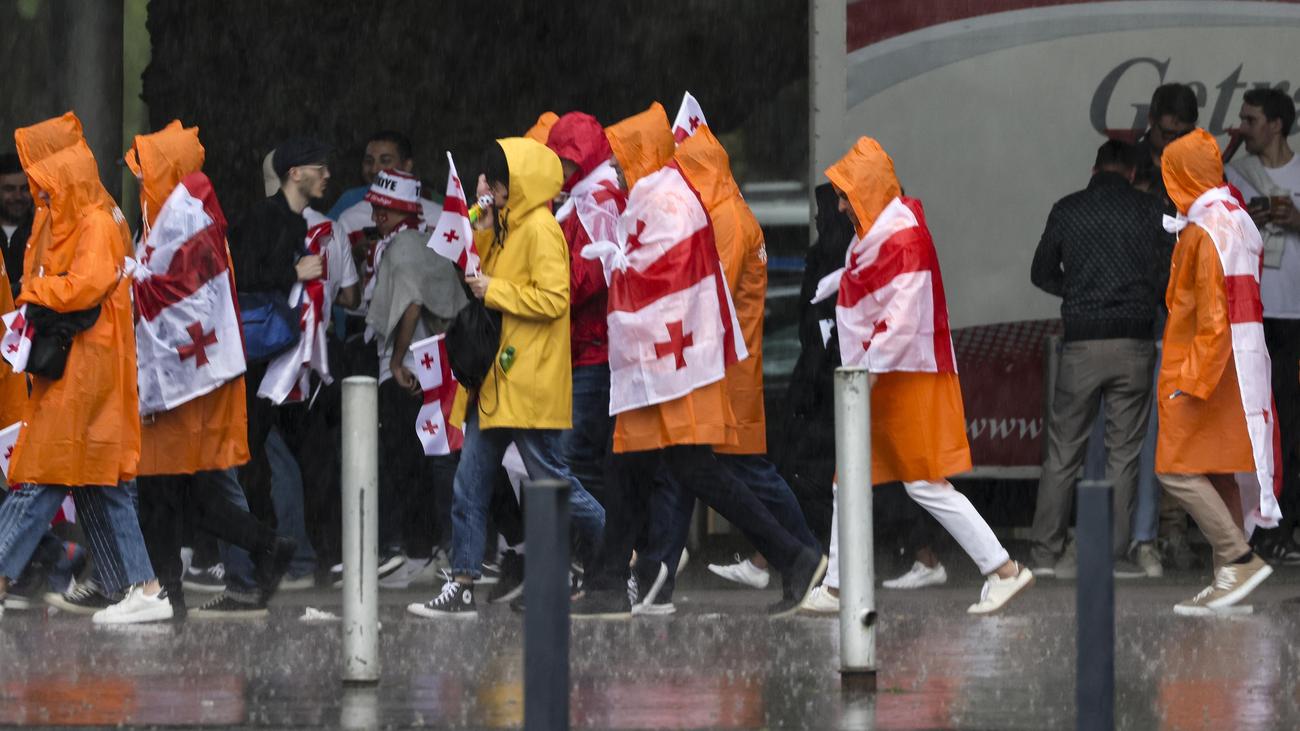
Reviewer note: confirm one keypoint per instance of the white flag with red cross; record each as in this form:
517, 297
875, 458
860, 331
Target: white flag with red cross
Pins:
672, 324
439, 386
188, 340
8, 438
689, 118
453, 237
16, 345
288, 376
891, 311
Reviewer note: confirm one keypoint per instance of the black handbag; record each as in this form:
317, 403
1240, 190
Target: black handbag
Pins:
52, 334
472, 343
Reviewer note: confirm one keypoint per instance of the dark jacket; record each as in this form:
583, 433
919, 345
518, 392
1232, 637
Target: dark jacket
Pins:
1100, 253
266, 244
14, 248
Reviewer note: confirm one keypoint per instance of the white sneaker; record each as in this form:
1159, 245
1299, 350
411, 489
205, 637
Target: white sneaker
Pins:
405, 575
920, 576
997, 592
821, 603
743, 572
135, 608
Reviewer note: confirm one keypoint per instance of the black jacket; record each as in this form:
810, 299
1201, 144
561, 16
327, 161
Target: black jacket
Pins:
14, 248
1100, 253
266, 244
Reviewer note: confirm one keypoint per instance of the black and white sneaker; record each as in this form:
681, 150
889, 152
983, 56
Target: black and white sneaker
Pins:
227, 605
23, 593
511, 582
455, 601
81, 598
211, 580
644, 595
389, 563
491, 573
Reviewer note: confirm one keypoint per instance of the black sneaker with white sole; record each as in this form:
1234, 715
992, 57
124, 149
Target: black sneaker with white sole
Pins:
210, 580
598, 604
389, 563
643, 593
228, 605
81, 598
456, 600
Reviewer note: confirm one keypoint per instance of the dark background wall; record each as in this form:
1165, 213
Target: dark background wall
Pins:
455, 75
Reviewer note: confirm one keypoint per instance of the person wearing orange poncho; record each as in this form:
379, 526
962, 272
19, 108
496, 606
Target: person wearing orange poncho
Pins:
81, 431
677, 437
1214, 394
892, 318
191, 452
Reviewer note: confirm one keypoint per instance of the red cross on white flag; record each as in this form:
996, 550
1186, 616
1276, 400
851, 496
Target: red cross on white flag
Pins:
16, 344
439, 386
453, 237
8, 438
689, 118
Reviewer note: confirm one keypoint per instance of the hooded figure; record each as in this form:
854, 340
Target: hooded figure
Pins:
84, 428
642, 144
211, 431
541, 129
1214, 392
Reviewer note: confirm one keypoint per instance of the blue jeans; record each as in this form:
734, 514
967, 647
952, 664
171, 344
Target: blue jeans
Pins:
108, 516
238, 564
472, 489
586, 446
287, 497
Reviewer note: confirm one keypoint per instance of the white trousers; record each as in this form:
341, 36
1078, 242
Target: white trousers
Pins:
953, 511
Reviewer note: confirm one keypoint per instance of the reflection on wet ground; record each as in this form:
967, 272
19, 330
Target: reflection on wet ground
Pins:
718, 664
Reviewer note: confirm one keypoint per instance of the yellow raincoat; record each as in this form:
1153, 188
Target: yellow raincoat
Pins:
918, 421
211, 431
83, 429
740, 244
1202, 431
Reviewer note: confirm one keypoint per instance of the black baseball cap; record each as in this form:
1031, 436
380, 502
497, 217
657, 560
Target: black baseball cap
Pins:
297, 151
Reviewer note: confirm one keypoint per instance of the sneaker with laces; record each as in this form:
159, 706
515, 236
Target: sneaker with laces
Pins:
918, 577
455, 601
804, 577
644, 595
997, 591
136, 608
1232, 583
81, 598
743, 571
230, 605
210, 580
1148, 557
821, 603
511, 582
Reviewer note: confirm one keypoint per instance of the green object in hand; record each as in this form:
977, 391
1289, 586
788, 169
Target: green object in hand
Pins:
507, 358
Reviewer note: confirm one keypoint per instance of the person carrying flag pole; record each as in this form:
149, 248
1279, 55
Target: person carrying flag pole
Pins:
892, 318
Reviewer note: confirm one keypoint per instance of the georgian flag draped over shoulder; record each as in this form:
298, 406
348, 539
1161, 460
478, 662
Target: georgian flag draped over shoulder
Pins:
288, 377
188, 341
439, 386
598, 201
672, 325
891, 312
689, 118
453, 237
1240, 249
16, 345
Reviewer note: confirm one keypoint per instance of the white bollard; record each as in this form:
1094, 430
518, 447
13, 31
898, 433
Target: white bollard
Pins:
360, 530
856, 533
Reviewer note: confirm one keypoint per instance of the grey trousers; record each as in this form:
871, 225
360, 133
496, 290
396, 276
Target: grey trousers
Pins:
1119, 370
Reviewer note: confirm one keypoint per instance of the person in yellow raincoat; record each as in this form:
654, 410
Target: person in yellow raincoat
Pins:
918, 426
1203, 438
80, 432
527, 397
665, 455
190, 453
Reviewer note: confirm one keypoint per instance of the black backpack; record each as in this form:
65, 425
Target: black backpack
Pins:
472, 342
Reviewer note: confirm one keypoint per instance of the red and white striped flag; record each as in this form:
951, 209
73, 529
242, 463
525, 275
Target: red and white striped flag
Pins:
288, 376
453, 237
689, 118
672, 324
188, 340
439, 385
16, 344
891, 311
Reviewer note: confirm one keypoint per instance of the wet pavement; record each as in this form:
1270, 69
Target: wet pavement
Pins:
718, 664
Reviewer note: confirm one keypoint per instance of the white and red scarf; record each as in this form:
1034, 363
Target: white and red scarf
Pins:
288, 376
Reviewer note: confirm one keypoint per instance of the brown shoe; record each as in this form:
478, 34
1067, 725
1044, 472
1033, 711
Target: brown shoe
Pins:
1232, 583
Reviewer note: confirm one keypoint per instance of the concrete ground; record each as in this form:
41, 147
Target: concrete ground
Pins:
718, 664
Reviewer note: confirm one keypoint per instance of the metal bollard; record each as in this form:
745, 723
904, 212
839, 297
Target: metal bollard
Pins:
546, 608
1095, 677
360, 530
856, 532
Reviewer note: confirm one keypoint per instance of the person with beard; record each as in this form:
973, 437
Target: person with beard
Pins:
15, 217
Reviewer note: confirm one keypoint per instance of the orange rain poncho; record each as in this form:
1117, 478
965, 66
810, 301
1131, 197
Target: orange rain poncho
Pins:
211, 431
918, 422
741, 248
541, 129
1203, 431
83, 429
642, 144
